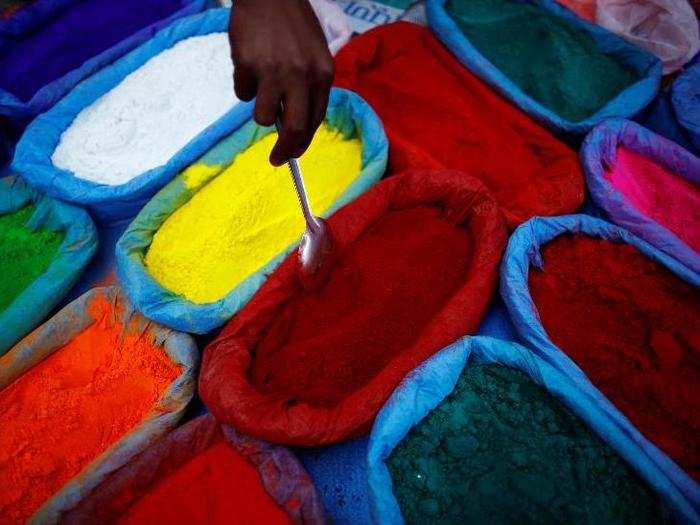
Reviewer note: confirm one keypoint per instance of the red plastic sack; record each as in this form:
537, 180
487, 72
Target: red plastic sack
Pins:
184, 478
416, 261
438, 115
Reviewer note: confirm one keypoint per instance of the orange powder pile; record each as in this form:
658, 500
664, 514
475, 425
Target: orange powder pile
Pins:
216, 486
61, 414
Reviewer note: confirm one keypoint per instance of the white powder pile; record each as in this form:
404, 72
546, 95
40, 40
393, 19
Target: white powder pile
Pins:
153, 113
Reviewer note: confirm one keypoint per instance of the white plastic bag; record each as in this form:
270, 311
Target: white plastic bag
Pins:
666, 28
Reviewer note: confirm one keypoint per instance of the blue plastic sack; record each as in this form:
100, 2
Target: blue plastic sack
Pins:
80, 242
626, 104
428, 385
30, 18
60, 330
524, 250
599, 151
346, 112
675, 113
112, 204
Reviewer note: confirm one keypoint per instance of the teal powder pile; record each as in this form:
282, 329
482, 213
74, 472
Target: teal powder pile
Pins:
24, 254
501, 450
554, 62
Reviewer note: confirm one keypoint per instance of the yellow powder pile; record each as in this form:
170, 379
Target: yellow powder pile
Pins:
246, 216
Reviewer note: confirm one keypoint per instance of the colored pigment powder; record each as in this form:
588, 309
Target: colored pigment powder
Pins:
152, 114
553, 61
76, 33
658, 193
64, 412
389, 283
500, 449
24, 254
246, 216
439, 115
215, 486
632, 326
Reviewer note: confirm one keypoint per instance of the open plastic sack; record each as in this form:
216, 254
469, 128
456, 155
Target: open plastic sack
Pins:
346, 112
630, 328
84, 393
111, 203
76, 249
439, 115
565, 72
414, 268
675, 113
497, 389
48, 46
646, 184
184, 477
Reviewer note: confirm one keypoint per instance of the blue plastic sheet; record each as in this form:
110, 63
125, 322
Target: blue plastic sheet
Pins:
346, 112
524, 250
626, 104
60, 330
599, 151
428, 385
112, 204
78, 246
675, 113
31, 17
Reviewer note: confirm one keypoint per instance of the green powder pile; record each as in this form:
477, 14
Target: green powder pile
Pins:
554, 62
24, 254
500, 449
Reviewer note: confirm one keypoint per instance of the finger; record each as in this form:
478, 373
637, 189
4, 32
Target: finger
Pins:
319, 104
267, 103
294, 136
244, 82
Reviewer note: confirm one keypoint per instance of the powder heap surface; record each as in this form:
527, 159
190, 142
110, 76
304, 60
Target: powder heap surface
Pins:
24, 254
437, 114
152, 114
658, 193
387, 285
556, 63
74, 33
632, 326
64, 412
217, 486
246, 216
501, 450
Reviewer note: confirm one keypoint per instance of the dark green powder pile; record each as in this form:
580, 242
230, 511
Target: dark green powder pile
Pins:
24, 254
554, 62
500, 449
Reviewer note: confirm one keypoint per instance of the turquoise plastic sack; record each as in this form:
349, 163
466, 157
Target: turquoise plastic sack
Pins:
76, 250
427, 387
346, 112
113, 204
59, 331
523, 251
626, 103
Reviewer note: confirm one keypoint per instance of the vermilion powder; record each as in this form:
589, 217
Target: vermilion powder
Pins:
215, 486
632, 326
439, 115
388, 284
61, 414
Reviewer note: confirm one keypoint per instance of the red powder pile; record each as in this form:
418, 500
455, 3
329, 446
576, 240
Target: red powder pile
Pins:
389, 284
61, 414
415, 267
658, 193
439, 115
215, 486
632, 326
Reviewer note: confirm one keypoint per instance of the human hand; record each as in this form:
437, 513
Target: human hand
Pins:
281, 58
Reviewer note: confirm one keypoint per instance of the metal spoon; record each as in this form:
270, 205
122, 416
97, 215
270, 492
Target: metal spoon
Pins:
315, 242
